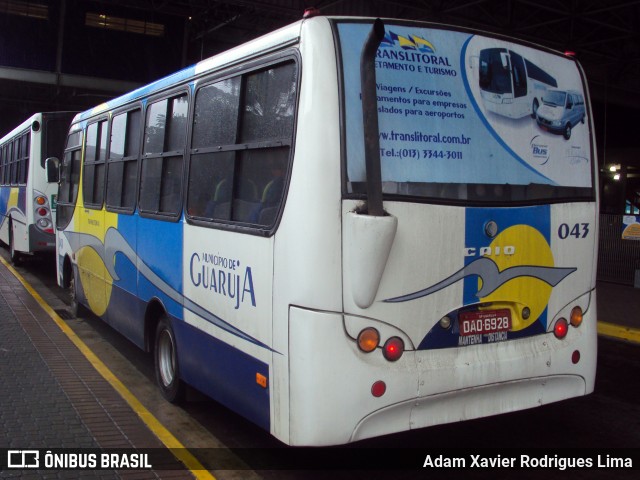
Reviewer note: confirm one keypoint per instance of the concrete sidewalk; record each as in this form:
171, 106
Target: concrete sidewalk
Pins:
53, 398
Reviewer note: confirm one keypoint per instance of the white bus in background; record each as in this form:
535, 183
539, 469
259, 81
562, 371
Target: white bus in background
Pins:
511, 85
27, 201
336, 256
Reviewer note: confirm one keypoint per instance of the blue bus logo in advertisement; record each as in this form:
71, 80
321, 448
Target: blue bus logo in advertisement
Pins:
411, 42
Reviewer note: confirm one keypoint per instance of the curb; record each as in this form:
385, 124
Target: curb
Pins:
619, 332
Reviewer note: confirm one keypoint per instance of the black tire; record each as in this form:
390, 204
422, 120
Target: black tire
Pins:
77, 308
165, 357
16, 257
567, 131
534, 108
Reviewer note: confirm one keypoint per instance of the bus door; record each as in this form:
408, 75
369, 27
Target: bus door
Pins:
91, 227
520, 89
121, 224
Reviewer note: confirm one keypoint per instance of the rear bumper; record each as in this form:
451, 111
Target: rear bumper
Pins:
331, 380
475, 402
40, 241
551, 128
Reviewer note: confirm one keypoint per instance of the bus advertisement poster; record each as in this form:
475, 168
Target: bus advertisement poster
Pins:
461, 108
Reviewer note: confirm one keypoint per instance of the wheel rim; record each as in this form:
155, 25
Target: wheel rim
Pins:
12, 249
72, 290
166, 358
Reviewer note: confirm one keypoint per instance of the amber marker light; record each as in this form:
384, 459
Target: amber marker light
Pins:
368, 339
576, 316
41, 200
261, 380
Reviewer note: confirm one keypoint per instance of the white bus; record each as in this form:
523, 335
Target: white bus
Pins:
512, 85
27, 201
337, 257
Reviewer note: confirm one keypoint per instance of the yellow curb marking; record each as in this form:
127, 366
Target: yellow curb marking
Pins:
617, 331
160, 431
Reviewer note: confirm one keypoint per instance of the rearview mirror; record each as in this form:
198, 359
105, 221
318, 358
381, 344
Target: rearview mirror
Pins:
52, 166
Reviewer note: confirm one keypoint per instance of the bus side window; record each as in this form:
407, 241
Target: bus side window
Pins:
15, 147
269, 104
268, 116
23, 158
6, 174
69, 179
212, 165
164, 141
94, 164
3, 160
122, 173
519, 75
244, 185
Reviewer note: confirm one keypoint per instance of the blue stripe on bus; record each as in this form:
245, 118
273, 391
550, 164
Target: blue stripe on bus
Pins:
219, 370
224, 373
160, 245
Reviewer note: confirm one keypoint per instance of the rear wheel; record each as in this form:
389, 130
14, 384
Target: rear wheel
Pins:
534, 108
77, 309
166, 362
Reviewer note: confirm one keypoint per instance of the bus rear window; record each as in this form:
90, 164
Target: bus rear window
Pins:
462, 118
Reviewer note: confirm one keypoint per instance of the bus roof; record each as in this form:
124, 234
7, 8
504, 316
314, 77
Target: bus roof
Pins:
27, 122
277, 39
272, 41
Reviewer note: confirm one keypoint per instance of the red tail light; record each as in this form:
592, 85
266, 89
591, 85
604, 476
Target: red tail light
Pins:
575, 356
393, 349
561, 328
378, 388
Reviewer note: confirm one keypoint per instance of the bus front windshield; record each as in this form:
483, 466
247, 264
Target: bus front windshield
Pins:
555, 98
495, 74
440, 138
